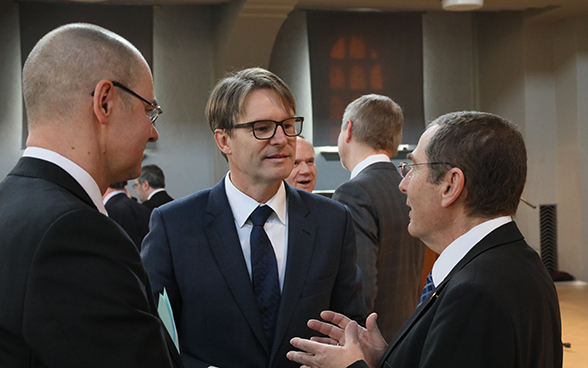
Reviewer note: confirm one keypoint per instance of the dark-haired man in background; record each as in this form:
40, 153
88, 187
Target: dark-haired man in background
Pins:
130, 215
150, 187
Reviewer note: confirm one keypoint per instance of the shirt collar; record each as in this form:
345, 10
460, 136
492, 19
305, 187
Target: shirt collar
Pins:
242, 205
155, 191
455, 252
367, 162
80, 175
112, 194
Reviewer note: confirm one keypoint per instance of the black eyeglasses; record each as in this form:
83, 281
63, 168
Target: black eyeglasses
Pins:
153, 113
406, 167
266, 129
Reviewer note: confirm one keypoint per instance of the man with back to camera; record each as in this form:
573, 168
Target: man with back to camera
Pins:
489, 301
390, 259
74, 292
150, 187
241, 287
130, 215
303, 175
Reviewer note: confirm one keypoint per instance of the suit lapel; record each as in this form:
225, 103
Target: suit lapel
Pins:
504, 234
41, 169
224, 241
301, 235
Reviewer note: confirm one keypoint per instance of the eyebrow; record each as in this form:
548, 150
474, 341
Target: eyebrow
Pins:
410, 156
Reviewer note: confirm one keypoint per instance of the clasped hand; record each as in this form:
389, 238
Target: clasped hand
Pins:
347, 342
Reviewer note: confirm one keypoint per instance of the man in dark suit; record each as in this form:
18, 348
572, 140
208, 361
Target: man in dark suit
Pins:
489, 302
73, 290
130, 215
390, 259
150, 187
241, 289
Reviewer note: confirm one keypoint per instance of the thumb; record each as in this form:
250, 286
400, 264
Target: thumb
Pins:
371, 325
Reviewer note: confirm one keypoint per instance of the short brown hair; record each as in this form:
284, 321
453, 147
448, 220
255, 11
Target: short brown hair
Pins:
227, 100
377, 121
490, 151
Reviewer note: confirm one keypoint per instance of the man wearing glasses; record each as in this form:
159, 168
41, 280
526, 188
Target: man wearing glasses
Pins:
248, 262
489, 301
73, 290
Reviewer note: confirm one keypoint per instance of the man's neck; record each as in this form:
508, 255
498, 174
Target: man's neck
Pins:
261, 192
359, 152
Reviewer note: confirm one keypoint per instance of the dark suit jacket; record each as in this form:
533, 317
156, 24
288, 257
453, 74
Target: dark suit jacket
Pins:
130, 215
73, 292
193, 250
497, 308
390, 259
157, 200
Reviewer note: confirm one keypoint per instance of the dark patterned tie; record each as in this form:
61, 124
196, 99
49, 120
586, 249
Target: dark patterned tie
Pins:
428, 289
264, 270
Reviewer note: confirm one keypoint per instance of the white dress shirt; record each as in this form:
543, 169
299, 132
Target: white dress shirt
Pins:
276, 225
73, 169
112, 194
367, 162
454, 253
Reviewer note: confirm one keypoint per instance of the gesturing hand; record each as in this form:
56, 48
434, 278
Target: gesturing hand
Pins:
337, 348
316, 354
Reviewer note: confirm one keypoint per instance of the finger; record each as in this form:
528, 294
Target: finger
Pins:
351, 333
301, 358
305, 345
336, 318
324, 340
326, 329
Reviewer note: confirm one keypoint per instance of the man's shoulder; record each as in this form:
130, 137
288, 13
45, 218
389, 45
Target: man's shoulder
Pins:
315, 202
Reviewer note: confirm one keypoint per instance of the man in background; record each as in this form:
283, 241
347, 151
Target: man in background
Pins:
489, 301
150, 187
73, 290
248, 262
390, 259
303, 175
130, 215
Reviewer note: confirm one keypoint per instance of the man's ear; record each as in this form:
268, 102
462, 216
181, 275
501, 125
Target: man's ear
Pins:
452, 187
103, 100
348, 131
223, 141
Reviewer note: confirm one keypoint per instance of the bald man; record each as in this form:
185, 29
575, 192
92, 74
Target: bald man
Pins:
73, 290
303, 175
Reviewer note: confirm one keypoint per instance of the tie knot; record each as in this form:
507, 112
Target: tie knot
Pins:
260, 215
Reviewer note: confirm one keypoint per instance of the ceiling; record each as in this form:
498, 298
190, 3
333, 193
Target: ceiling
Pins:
545, 10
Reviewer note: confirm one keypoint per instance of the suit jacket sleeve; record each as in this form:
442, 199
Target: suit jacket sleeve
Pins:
346, 295
88, 300
157, 258
366, 235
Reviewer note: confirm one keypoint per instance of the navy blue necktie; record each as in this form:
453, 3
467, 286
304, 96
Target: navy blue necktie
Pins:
264, 270
428, 289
